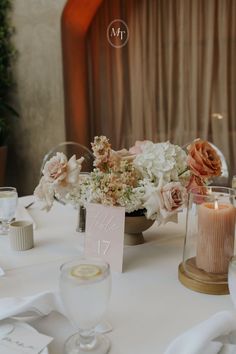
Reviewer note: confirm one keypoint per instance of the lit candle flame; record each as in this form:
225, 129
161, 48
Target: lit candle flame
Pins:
216, 205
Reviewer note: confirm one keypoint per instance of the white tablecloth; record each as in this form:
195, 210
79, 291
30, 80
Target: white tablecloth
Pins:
148, 306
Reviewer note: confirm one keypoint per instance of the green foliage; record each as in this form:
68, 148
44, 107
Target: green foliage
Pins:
7, 54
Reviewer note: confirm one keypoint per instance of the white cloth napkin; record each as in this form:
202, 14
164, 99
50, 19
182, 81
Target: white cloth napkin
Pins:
22, 214
200, 339
41, 304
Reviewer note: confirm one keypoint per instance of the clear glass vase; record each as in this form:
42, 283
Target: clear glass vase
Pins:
209, 239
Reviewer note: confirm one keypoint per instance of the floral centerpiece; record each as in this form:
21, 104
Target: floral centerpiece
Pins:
149, 178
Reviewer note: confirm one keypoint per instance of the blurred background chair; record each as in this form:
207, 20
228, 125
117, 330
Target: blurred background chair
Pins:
223, 179
70, 148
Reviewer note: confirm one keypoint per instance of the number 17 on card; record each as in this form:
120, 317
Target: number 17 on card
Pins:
103, 247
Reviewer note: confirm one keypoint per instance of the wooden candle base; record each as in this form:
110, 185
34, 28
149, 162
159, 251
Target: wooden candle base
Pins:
201, 281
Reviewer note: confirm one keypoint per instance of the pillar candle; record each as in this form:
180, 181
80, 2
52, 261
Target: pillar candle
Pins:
215, 241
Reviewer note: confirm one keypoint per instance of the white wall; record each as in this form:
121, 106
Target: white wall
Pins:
39, 89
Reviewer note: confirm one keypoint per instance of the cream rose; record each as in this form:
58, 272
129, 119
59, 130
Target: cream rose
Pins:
45, 192
73, 170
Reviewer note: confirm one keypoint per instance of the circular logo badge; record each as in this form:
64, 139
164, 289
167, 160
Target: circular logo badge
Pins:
117, 33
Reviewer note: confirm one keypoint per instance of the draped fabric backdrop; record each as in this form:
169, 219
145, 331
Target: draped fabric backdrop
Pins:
174, 80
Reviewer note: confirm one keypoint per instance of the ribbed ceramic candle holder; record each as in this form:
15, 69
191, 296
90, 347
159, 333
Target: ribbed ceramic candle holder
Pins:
21, 235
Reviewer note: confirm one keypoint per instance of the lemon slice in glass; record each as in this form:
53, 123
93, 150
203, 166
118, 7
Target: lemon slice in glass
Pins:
86, 271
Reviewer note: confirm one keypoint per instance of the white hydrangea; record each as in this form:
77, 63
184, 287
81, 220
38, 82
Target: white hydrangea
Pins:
133, 200
161, 160
81, 193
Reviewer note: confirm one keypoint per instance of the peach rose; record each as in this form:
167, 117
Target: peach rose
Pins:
194, 183
203, 160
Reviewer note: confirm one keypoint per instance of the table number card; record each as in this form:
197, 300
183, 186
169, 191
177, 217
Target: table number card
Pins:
104, 234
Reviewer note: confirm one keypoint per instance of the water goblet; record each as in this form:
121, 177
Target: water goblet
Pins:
85, 286
8, 203
232, 279
232, 290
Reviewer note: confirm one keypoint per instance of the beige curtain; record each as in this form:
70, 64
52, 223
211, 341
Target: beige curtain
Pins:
175, 79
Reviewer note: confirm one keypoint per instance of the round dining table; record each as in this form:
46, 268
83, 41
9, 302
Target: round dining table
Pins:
148, 307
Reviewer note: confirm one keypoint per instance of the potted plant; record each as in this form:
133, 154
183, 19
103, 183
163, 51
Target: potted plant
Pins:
7, 53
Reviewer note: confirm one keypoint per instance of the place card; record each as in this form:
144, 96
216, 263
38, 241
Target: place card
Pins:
23, 339
104, 233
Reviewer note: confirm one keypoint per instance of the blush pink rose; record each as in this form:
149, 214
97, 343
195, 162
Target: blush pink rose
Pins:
55, 169
60, 171
138, 147
123, 154
165, 201
172, 197
203, 160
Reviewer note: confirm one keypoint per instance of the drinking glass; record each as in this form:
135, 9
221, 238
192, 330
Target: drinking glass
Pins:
232, 279
8, 203
232, 291
85, 286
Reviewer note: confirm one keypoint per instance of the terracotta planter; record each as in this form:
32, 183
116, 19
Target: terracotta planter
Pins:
3, 161
134, 227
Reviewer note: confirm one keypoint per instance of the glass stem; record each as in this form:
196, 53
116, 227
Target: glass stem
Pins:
81, 219
4, 227
87, 339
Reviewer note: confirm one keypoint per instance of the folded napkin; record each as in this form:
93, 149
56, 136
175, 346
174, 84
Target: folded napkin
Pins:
40, 304
22, 214
202, 339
